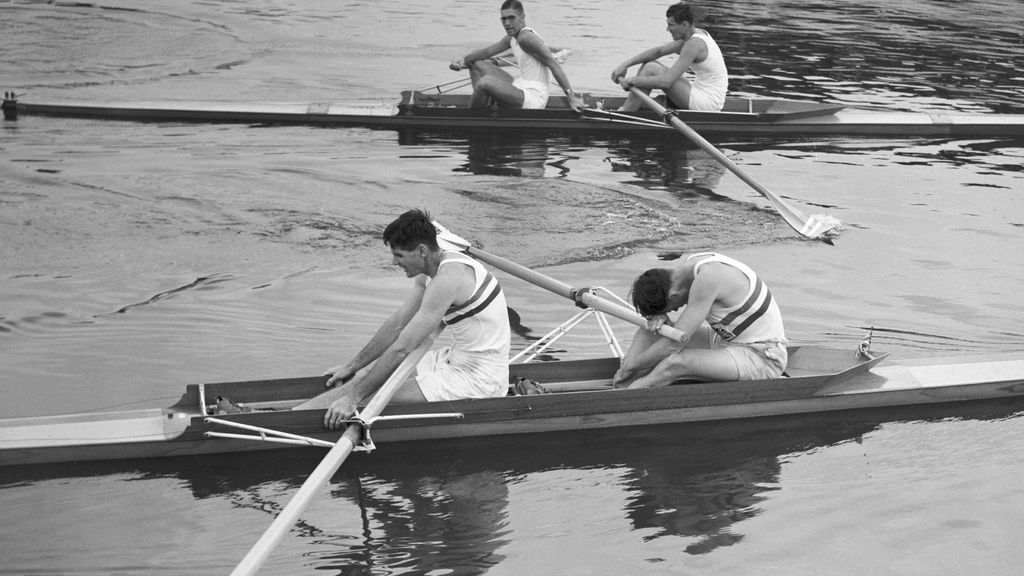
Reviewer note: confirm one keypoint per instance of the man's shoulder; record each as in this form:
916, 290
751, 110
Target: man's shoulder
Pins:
529, 37
456, 270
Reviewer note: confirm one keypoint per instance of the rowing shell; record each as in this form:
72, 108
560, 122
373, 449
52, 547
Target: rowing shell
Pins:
419, 111
820, 380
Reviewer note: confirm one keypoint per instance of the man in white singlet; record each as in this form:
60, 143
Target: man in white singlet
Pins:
731, 324
449, 288
697, 52
536, 64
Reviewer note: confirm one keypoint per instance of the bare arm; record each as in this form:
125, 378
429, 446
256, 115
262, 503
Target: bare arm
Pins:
451, 283
646, 56
534, 46
482, 54
384, 337
694, 50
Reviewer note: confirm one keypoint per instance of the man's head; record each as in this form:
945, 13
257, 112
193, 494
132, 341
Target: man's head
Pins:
513, 17
681, 12
410, 230
650, 292
412, 239
680, 19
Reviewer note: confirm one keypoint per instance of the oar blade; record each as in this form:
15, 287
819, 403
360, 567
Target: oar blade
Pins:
449, 240
817, 227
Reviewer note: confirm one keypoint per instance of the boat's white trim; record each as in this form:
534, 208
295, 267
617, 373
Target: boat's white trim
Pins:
148, 425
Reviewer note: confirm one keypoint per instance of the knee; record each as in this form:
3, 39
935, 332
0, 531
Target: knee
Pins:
487, 84
677, 364
650, 69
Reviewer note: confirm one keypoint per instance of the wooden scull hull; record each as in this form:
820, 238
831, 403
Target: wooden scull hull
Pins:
741, 117
820, 381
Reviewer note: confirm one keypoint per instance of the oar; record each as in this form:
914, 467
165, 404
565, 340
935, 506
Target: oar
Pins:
819, 226
451, 241
284, 522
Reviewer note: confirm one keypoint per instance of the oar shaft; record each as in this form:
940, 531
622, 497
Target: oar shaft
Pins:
700, 141
816, 227
566, 291
284, 522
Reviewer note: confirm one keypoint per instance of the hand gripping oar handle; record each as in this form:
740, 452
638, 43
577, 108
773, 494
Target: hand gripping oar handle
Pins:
452, 241
284, 522
817, 227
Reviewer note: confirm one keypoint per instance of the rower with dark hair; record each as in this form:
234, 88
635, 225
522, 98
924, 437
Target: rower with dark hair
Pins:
697, 51
449, 288
492, 85
731, 324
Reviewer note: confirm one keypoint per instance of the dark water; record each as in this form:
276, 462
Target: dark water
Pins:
137, 258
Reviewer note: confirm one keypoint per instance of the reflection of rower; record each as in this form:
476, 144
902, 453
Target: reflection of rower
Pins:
502, 154
432, 517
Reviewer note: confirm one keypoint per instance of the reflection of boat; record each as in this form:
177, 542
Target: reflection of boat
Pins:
820, 380
418, 110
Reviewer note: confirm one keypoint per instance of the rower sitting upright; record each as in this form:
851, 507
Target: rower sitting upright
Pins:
536, 64
697, 52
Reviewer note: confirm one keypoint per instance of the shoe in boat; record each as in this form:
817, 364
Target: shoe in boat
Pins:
228, 406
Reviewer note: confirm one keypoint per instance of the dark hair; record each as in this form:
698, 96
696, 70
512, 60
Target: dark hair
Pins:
682, 12
513, 5
650, 292
410, 230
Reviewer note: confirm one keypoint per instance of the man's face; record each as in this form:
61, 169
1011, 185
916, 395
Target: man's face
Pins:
412, 262
676, 29
512, 21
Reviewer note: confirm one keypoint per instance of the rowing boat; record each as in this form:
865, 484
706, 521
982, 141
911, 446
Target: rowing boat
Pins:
417, 110
579, 397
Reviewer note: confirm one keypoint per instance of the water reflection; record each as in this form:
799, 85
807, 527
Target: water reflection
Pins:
445, 507
658, 160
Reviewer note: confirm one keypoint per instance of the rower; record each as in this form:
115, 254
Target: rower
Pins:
451, 290
732, 328
492, 85
697, 51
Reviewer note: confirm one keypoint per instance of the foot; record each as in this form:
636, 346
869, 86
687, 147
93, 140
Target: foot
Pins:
227, 406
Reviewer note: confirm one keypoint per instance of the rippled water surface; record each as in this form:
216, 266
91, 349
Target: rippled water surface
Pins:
140, 257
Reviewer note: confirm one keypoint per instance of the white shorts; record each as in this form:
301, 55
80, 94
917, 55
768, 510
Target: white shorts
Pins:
706, 100
754, 360
535, 94
446, 375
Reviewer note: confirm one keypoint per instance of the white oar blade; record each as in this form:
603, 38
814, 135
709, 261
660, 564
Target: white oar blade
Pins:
817, 227
821, 226
449, 240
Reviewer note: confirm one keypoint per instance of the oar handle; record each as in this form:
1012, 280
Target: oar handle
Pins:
562, 289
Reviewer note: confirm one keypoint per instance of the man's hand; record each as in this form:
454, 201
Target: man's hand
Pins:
618, 73
341, 409
457, 65
339, 375
655, 322
626, 82
576, 101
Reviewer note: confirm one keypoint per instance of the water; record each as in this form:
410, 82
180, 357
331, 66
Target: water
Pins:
137, 258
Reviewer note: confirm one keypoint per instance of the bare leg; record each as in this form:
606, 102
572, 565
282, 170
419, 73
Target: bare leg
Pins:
679, 91
492, 84
646, 352
698, 364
